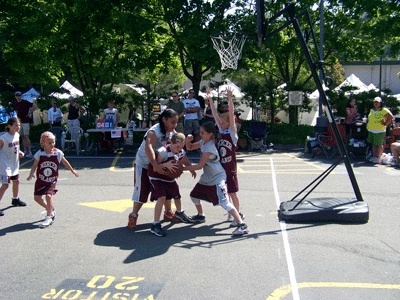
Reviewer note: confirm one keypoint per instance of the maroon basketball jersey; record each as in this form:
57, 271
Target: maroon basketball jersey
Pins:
168, 155
227, 150
48, 166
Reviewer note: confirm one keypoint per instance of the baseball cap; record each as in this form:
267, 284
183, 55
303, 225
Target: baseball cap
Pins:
18, 93
377, 99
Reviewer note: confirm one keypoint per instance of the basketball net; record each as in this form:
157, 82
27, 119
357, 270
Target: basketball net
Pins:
229, 50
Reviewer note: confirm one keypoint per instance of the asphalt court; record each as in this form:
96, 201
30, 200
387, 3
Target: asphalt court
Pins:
89, 254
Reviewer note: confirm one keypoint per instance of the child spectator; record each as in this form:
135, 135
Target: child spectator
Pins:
9, 161
211, 186
111, 113
164, 187
227, 145
46, 165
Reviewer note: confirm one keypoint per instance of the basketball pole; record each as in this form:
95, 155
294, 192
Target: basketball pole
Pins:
331, 209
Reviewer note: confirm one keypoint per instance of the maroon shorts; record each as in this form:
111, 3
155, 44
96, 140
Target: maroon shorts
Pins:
169, 190
48, 189
232, 182
214, 194
142, 188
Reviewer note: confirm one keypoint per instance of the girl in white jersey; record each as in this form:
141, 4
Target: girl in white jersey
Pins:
156, 137
211, 186
9, 161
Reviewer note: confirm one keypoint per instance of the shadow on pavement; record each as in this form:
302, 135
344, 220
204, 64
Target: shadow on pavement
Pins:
145, 245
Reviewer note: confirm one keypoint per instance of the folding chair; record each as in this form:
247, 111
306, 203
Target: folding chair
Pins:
72, 136
257, 136
327, 140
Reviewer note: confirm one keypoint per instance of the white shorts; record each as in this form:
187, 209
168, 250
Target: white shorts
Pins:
24, 130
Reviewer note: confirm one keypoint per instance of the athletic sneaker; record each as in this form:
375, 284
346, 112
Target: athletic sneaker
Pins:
241, 230
157, 230
47, 222
395, 164
198, 219
234, 223
169, 216
374, 160
183, 217
44, 214
1, 213
17, 202
132, 220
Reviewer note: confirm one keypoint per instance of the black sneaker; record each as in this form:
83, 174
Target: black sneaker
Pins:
17, 202
157, 230
198, 219
1, 213
183, 217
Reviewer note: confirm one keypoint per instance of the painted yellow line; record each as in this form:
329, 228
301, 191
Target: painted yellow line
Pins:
115, 205
283, 291
114, 163
306, 162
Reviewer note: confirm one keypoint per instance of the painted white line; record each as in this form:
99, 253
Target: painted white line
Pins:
285, 237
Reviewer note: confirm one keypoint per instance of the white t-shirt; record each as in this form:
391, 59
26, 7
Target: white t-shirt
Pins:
213, 172
111, 113
9, 154
141, 157
54, 116
189, 103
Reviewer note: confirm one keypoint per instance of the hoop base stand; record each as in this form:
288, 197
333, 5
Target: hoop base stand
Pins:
340, 210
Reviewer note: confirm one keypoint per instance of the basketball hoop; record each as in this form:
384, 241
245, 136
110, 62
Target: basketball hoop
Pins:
229, 50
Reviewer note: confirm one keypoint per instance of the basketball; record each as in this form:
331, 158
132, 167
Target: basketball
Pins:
176, 172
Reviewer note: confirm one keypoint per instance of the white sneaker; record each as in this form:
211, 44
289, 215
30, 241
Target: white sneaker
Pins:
47, 222
241, 230
44, 214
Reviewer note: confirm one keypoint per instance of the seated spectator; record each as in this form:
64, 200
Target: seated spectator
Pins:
395, 149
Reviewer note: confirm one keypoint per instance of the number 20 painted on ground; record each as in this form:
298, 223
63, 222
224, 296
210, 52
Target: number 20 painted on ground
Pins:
104, 282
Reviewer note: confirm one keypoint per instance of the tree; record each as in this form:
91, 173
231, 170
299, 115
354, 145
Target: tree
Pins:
191, 24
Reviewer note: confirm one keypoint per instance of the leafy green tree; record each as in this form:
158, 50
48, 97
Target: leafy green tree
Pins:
191, 24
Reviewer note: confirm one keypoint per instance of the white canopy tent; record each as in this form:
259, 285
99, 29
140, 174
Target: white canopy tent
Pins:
70, 91
354, 81
142, 91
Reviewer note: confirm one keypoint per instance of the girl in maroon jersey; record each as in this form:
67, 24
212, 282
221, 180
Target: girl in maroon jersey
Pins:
227, 145
164, 187
47, 163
